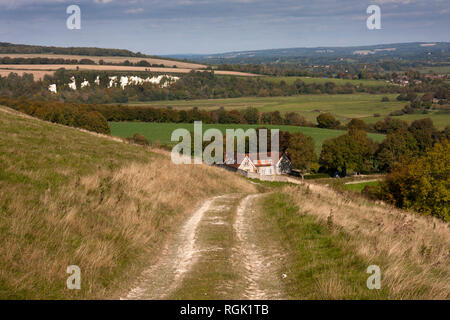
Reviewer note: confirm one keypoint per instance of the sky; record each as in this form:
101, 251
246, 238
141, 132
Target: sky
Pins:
163, 27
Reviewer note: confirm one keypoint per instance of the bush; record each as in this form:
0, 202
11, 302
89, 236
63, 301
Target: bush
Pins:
371, 192
141, 140
92, 121
326, 120
385, 99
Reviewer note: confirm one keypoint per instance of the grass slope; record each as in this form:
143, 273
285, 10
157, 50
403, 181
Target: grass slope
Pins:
411, 250
320, 263
69, 197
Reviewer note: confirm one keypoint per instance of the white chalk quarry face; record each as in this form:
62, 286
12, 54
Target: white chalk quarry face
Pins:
124, 81
52, 88
85, 83
112, 81
73, 85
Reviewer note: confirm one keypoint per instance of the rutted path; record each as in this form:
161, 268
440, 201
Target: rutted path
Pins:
163, 277
261, 263
217, 254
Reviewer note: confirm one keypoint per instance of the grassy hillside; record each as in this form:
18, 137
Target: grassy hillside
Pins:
162, 131
353, 233
69, 197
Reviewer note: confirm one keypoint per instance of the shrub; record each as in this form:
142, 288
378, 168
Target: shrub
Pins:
92, 121
326, 120
140, 139
371, 192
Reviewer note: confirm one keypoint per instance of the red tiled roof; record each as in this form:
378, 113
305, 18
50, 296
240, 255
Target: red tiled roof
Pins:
255, 157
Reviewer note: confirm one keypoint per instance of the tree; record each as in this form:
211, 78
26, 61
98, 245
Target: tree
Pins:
422, 184
251, 115
301, 152
446, 133
398, 145
424, 132
352, 151
388, 124
326, 120
294, 119
357, 124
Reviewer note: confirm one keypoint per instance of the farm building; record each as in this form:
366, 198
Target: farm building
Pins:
257, 165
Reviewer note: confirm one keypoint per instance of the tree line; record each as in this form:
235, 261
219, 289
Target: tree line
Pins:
6, 47
195, 85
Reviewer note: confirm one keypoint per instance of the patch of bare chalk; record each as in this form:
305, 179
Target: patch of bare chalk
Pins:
177, 258
259, 263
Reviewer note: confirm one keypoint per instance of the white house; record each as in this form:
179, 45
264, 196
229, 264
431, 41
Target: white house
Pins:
257, 164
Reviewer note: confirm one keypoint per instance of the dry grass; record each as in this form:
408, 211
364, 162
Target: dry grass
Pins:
413, 250
68, 197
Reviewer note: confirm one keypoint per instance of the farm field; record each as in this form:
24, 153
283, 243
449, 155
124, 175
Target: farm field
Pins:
161, 132
38, 75
165, 62
308, 80
344, 107
437, 69
440, 120
33, 68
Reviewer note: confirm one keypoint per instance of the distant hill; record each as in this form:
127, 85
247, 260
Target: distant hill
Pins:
114, 56
6, 47
418, 50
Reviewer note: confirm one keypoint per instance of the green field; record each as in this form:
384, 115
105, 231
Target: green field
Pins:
360, 186
161, 132
440, 120
339, 82
343, 106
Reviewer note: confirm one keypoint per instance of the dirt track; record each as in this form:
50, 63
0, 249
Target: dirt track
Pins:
215, 254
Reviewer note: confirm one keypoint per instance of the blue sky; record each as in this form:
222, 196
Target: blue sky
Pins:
214, 26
